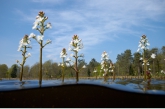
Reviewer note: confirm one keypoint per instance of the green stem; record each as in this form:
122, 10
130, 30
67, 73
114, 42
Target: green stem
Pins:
63, 70
113, 75
23, 62
76, 69
145, 66
40, 66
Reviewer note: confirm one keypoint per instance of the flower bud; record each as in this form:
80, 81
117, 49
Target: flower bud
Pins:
41, 13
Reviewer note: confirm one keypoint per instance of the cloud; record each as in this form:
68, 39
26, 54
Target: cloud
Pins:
96, 21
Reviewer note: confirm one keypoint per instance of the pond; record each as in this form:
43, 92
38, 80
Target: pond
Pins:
87, 93
129, 85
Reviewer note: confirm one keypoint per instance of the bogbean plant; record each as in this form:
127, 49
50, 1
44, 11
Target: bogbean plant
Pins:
23, 45
40, 26
143, 46
106, 66
75, 46
63, 55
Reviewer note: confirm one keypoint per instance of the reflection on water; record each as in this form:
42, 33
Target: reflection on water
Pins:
146, 86
132, 85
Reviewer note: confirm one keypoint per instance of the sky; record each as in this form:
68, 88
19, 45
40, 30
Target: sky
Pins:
103, 25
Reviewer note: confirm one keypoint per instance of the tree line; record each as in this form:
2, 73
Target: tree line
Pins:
130, 64
126, 64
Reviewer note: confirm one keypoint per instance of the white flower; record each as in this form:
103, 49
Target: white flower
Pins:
71, 43
28, 55
59, 64
148, 44
143, 47
104, 54
105, 70
141, 58
143, 44
32, 35
76, 49
162, 71
76, 41
138, 50
48, 41
48, 25
111, 71
39, 18
148, 63
95, 70
67, 64
63, 53
39, 38
143, 40
25, 43
140, 45
153, 56
84, 66
104, 57
35, 26
36, 23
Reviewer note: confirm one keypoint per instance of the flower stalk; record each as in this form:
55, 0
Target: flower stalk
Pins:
40, 26
143, 46
63, 54
75, 46
24, 44
104, 65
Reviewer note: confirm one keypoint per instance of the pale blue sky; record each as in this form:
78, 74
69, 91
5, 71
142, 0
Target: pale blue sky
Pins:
103, 25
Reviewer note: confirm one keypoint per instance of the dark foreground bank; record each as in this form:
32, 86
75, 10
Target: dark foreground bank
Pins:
78, 95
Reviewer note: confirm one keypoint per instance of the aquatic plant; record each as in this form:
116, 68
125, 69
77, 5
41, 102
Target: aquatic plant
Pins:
143, 46
106, 65
23, 45
75, 46
112, 67
63, 54
40, 26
